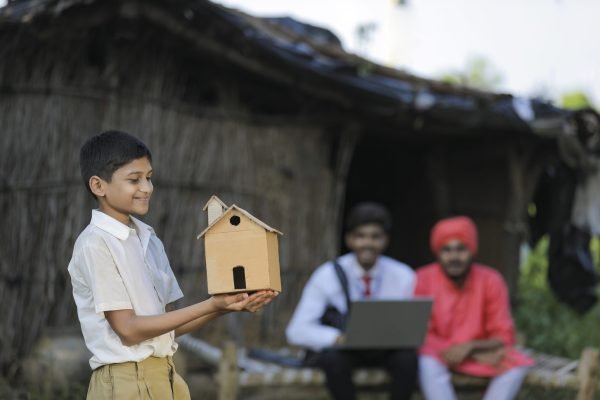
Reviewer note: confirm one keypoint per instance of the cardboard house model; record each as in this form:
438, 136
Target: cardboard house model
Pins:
242, 252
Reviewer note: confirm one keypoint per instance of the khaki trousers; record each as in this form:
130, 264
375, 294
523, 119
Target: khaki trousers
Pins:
151, 379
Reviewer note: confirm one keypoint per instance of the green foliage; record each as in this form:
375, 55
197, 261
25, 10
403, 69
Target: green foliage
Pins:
550, 326
575, 100
478, 73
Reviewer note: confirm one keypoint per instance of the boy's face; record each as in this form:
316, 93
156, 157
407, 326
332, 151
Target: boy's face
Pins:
367, 242
128, 192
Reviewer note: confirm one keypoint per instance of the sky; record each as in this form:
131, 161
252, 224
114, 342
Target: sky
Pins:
538, 47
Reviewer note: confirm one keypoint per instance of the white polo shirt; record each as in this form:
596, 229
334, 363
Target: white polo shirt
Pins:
390, 280
116, 267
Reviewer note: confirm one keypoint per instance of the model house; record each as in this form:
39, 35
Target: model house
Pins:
242, 252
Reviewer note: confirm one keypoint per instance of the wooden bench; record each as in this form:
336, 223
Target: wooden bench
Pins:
549, 371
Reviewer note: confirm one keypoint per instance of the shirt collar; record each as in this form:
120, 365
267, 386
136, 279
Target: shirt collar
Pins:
110, 225
358, 272
144, 231
120, 230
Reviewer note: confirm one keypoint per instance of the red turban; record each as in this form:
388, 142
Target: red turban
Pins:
456, 228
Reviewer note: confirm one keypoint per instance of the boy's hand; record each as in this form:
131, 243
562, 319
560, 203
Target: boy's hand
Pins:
260, 299
243, 301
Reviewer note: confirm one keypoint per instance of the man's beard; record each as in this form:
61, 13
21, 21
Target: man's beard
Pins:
462, 276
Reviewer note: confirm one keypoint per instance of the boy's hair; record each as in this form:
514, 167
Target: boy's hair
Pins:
103, 154
369, 213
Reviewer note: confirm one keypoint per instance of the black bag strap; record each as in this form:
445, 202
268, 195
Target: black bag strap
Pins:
343, 282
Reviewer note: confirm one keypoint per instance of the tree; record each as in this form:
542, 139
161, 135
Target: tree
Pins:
575, 100
478, 74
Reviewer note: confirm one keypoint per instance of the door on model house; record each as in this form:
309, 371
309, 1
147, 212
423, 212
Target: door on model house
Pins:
239, 277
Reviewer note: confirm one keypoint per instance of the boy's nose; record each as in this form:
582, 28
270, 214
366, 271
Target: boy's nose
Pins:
146, 186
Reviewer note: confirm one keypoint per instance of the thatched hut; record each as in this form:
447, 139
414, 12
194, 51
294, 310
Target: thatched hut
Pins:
270, 114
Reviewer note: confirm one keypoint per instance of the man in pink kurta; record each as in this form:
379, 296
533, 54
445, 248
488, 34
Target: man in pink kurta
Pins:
471, 329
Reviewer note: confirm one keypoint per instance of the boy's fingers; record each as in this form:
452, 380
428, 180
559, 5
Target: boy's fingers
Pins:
252, 302
237, 298
256, 301
258, 304
241, 297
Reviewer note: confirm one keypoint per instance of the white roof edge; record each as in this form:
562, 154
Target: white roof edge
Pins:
215, 197
247, 214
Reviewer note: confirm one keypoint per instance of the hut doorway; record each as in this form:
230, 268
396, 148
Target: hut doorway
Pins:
394, 172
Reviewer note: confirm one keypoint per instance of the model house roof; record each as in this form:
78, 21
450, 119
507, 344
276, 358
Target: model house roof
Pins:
241, 211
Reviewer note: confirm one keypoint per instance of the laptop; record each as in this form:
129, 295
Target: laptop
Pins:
387, 324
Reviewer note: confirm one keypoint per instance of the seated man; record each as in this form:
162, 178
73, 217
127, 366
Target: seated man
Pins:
369, 276
471, 329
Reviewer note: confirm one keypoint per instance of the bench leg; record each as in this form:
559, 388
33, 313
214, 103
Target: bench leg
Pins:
587, 371
228, 373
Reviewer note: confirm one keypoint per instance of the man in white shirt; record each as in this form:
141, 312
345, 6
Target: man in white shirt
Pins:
369, 275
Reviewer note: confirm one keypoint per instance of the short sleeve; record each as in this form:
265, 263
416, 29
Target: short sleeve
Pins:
100, 273
172, 289
175, 292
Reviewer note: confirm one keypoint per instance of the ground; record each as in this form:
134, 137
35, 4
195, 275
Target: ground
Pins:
204, 389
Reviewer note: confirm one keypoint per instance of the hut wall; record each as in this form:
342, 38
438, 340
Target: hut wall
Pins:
59, 90
492, 180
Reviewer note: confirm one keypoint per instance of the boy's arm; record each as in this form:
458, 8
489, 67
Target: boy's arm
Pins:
197, 323
253, 305
134, 329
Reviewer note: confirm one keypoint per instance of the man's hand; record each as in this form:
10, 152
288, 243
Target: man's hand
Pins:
243, 301
457, 354
491, 357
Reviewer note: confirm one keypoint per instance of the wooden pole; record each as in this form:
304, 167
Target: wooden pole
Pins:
228, 373
345, 151
588, 370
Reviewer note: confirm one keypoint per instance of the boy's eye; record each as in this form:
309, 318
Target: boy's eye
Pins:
134, 180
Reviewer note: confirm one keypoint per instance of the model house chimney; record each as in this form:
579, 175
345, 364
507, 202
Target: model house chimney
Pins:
215, 208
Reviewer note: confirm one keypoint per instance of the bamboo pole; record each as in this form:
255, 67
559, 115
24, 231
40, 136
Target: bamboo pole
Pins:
228, 373
588, 373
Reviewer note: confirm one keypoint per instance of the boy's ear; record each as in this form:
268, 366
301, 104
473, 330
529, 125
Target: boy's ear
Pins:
97, 186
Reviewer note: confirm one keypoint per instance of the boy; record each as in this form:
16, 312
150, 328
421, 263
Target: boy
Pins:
122, 282
370, 275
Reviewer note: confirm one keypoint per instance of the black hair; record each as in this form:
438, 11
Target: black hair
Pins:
369, 213
103, 154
